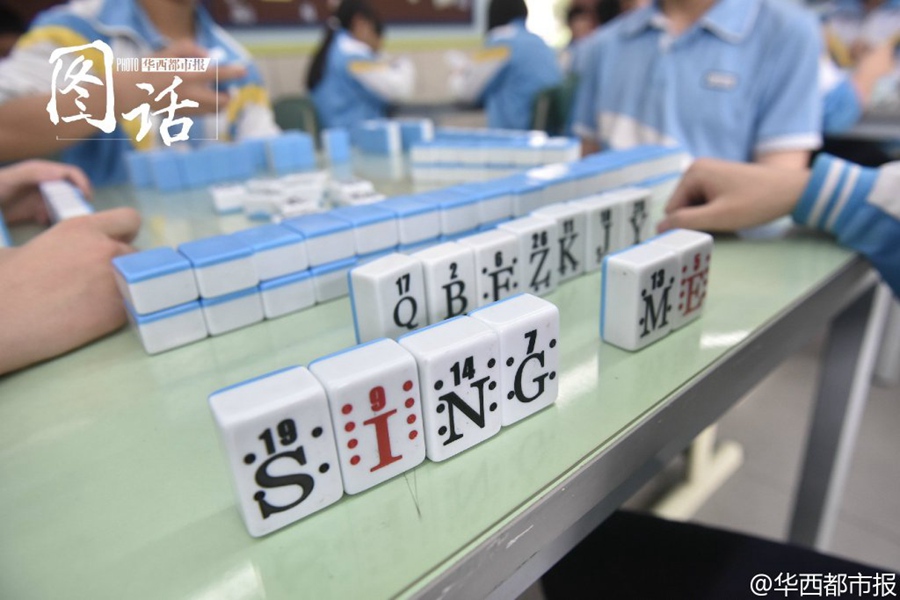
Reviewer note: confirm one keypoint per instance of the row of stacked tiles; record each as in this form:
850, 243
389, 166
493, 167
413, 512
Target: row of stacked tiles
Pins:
273, 270
298, 438
391, 136
398, 293
157, 284
171, 171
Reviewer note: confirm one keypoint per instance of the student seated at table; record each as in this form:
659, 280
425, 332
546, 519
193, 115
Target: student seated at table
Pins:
59, 292
510, 72
860, 210
347, 81
734, 79
239, 108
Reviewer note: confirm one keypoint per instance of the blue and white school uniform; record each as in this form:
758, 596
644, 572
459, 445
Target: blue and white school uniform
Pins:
123, 25
508, 75
858, 205
842, 108
356, 85
740, 83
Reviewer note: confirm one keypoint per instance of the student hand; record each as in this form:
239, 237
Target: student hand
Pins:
196, 87
20, 197
716, 195
58, 289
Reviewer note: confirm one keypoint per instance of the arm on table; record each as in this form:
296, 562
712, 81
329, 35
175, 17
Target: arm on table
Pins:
60, 290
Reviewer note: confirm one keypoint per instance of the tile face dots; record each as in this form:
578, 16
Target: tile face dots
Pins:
373, 395
277, 434
496, 264
459, 371
528, 328
639, 289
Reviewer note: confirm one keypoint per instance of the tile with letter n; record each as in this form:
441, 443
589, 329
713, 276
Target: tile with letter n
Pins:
528, 328
694, 249
459, 372
373, 395
279, 442
388, 297
639, 290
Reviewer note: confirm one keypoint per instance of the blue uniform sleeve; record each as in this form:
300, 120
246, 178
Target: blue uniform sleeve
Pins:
861, 207
584, 107
790, 114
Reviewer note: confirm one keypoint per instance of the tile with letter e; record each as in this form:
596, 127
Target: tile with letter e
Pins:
450, 282
605, 217
277, 250
636, 205
459, 371
279, 443
168, 328
497, 264
638, 294
222, 265
538, 251
388, 297
528, 328
328, 238
153, 280
374, 228
694, 250
374, 398
571, 221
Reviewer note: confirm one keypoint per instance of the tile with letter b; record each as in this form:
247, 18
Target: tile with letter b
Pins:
459, 371
528, 328
638, 295
450, 282
279, 442
373, 394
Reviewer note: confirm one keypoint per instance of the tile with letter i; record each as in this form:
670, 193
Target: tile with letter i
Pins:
373, 394
605, 225
638, 295
279, 442
571, 222
528, 328
694, 250
450, 282
388, 297
496, 264
636, 205
538, 252
459, 371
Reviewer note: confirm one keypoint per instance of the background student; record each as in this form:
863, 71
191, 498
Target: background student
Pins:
508, 75
59, 291
347, 81
733, 79
133, 29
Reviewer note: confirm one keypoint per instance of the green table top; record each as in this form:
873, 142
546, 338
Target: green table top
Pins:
114, 485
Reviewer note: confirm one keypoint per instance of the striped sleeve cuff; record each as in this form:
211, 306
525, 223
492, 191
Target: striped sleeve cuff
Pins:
835, 185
